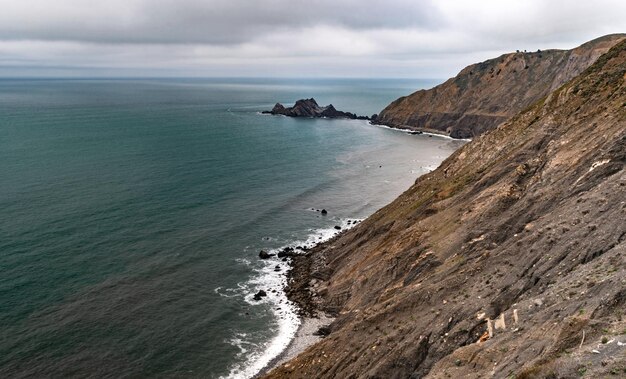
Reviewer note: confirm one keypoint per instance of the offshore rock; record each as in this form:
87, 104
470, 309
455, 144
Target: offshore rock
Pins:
259, 295
309, 108
265, 255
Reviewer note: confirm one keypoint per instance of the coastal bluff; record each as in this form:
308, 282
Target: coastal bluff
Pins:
507, 261
309, 108
484, 95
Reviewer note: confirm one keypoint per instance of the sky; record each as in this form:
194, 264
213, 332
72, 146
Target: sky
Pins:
286, 38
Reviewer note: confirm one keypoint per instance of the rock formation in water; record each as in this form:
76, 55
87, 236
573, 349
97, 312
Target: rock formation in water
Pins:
309, 108
486, 94
509, 260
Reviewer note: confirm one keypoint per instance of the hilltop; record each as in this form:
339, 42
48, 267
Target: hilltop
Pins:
485, 94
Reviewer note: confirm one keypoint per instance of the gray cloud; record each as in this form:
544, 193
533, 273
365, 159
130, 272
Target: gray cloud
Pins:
198, 21
430, 38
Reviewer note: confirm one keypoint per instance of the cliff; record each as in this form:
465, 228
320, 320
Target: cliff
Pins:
486, 94
507, 261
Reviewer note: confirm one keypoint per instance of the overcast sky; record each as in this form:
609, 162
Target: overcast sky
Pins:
294, 38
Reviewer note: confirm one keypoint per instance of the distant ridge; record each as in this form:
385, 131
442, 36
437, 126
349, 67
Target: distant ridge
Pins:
485, 94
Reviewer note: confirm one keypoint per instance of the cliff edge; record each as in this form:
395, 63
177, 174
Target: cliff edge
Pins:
486, 94
509, 260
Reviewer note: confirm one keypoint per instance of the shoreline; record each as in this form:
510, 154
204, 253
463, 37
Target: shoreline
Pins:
306, 301
369, 121
303, 338
421, 131
303, 297
304, 271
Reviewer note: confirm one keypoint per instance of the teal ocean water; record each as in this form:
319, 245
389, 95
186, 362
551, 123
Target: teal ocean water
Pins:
133, 212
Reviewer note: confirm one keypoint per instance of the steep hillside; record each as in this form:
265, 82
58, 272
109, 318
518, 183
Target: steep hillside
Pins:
525, 225
485, 94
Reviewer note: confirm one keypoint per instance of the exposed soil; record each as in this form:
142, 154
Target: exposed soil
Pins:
494, 265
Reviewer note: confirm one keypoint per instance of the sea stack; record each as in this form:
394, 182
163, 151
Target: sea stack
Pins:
310, 109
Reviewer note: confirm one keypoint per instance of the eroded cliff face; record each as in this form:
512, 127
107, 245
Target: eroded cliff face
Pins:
484, 95
509, 259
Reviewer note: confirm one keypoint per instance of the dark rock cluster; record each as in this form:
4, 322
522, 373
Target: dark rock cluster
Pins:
309, 108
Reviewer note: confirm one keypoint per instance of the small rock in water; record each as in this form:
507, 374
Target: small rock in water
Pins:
277, 268
259, 295
324, 211
337, 227
265, 255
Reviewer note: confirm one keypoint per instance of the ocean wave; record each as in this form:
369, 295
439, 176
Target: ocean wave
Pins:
284, 311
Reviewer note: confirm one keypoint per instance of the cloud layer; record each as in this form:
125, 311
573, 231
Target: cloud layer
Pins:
279, 37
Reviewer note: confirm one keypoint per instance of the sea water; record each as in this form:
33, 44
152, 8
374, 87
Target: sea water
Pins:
133, 211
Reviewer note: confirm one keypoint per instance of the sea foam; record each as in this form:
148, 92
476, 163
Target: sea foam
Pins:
285, 312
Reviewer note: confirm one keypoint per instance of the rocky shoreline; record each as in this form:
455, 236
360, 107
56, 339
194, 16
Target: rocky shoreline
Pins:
304, 279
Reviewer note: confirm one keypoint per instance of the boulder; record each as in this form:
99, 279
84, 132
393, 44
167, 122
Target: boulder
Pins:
323, 331
265, 255
286, 252
259, 295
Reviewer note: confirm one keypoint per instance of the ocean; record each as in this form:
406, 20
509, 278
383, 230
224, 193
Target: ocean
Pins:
133, 212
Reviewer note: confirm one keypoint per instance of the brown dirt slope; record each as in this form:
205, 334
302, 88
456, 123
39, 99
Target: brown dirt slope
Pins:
485, 94
525, 225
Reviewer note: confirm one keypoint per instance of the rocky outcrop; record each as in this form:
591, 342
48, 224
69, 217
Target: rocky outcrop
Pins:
265, 255
310, 108
507, 261
259, 295
484, 95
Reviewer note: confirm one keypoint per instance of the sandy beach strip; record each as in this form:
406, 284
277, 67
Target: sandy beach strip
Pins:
304, 338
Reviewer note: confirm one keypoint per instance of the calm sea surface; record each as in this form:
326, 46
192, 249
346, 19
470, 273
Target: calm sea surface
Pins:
132, 213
